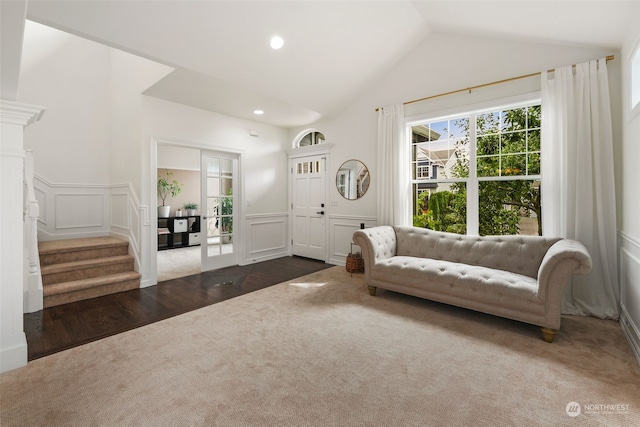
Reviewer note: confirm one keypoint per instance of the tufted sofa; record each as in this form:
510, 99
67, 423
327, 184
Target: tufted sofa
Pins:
517, 277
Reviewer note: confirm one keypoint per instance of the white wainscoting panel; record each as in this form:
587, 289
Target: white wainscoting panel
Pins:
72, 211
267, 237
341, 229
135, 225
79, 211
630, 291
128, 218
120, 210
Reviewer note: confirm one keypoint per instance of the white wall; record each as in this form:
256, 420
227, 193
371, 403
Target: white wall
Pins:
178, 158
92, 93
263, 170
265, 163
129, 76
94, 147
70, 76
88, 152
630, 225
443, 63
11, 31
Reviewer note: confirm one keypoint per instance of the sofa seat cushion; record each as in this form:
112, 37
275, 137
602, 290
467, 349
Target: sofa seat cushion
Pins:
451, 278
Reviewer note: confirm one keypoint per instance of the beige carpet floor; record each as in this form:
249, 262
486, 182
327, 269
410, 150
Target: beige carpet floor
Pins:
319, 351
180, 262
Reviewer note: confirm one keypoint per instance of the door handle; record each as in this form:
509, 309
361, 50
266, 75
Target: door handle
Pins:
320, 213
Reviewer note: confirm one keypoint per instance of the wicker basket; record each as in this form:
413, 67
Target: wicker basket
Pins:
354, 263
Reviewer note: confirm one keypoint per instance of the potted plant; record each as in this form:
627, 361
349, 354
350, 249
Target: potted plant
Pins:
166, 188
226, 222
191, 208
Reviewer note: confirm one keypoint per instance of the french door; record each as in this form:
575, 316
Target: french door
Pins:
219, 174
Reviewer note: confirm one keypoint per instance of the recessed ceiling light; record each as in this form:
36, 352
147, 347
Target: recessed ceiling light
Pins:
258, 112
277, 42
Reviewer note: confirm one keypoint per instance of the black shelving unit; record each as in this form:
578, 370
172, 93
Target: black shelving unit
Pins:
178, 232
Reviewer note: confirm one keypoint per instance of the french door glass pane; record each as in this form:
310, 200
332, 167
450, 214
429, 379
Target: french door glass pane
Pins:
219, 225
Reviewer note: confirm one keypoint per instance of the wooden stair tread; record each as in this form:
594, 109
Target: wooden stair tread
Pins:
72, 245
84, 264
77, 285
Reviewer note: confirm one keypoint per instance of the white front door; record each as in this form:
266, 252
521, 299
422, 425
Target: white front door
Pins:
308, 175
219, 196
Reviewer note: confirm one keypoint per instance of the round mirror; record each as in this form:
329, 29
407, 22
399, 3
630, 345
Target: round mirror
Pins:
352, 179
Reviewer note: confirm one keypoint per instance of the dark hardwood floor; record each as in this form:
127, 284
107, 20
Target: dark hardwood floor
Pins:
65, 326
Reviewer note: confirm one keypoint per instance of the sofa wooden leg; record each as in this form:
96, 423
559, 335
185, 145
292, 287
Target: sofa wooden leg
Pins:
548, 334
372, 291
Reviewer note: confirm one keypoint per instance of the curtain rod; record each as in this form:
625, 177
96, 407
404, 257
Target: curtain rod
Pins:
469, 89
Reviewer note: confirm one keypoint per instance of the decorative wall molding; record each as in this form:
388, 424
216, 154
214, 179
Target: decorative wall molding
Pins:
267, 237
79, 210
631, 331
8, 152
18, 113
628, 238
341, 229
119, 211
629, 262
309, 150
73, 211
128, 217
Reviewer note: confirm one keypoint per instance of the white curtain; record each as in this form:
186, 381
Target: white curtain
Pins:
393, 167
578, 191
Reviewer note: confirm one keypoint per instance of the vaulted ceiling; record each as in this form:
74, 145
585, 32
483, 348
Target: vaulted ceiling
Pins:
333, 51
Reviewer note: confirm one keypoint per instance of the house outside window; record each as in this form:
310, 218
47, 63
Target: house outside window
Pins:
423, 171
478, 172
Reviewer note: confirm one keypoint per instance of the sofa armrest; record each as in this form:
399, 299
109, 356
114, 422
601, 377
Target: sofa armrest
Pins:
377, 243
563, 259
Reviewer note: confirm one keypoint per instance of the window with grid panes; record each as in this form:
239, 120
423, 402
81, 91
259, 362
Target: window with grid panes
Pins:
484, 171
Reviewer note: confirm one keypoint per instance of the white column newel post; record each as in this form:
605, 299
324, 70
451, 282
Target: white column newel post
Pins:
14, 117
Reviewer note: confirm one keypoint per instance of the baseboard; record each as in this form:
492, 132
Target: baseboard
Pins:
255, 259
631, 331
14, 357
146, 283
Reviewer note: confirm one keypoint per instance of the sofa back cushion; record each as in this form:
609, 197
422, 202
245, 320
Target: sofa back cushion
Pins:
517, 254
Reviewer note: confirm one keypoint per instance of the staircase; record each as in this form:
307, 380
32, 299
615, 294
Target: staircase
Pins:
73, 270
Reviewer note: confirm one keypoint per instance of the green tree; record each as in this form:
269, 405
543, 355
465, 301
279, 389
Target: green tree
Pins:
504, 203
507, 147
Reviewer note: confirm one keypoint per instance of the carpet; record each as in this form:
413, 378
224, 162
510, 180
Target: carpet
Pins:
181, 262
319, 351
